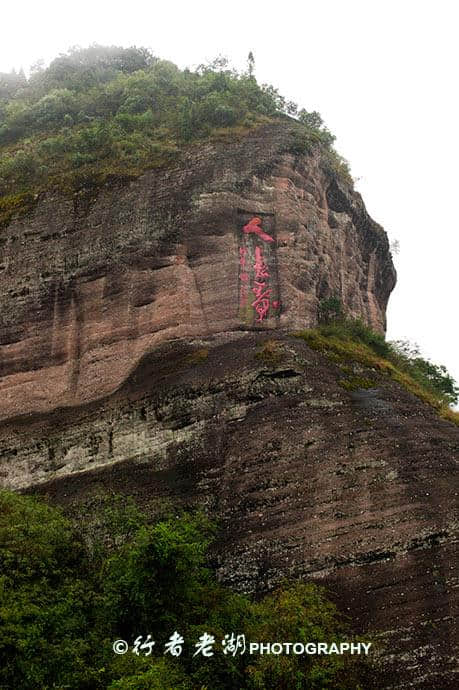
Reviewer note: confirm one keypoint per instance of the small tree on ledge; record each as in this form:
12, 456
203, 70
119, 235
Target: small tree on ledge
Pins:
330, 310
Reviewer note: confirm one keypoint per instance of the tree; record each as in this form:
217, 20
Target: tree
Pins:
312, 119
11, 82
251, 64
107, 110
45, 601
330, 310
66, 595
155, 580
434, 377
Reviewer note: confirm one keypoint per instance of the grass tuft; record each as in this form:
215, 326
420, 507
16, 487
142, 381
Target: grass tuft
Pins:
270, 352
344, 343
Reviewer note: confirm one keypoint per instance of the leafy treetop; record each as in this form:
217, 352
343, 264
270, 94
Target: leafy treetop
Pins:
111, 110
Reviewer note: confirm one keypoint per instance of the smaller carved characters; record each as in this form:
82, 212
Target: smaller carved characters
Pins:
243, 276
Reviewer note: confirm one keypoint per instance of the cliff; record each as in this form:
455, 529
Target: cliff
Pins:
354, 489
147, 348
90, 283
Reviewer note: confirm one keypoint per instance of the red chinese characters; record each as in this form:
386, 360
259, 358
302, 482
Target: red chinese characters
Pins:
254, 273
261, 269
261, 304
254, 226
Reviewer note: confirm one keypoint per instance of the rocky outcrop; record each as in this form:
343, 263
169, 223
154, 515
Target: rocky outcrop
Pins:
146, 348
90, 283
308, 479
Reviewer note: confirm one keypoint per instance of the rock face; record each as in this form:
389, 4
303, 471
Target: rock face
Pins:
246, 234
354, 489
146, 348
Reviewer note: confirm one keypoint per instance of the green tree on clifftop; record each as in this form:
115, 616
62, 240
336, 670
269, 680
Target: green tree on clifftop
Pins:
104, 111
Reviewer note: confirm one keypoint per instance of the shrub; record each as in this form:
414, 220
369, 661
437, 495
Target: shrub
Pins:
302, 613
330, 310
45, 601
63, 604
162, 674
155, 581
92, 100
434, 377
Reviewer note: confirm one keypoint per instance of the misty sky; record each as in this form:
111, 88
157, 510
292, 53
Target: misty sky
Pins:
383, 74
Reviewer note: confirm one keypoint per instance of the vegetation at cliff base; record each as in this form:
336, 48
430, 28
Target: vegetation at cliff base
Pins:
65, 599
103, 111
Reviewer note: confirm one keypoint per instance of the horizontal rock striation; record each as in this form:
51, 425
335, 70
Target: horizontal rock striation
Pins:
308, 480
146, 348
90, 283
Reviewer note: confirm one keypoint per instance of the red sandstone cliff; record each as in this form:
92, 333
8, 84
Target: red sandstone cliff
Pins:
91, 283
132, 320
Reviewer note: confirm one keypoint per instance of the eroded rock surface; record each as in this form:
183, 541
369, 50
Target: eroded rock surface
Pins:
134, 358
90, 284
353, 488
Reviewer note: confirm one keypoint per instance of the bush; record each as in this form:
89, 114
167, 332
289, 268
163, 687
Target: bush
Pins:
434, 377
22, 166
63, 603
45, 601
54, 110
332, 321
161, 675
301, 613
155, 581
92, 100
330, 310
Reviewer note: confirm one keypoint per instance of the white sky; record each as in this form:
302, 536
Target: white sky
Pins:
382, 73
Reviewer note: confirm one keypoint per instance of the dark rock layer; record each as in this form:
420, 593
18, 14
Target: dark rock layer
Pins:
354, 489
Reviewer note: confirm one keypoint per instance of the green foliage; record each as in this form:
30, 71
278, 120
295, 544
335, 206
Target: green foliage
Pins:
156, 580
312, 119
161, 675
61, 608
314, 123
250, 64
330, 310
109, 110
435, 377
299, 613
45, 601
15, 204
347, 340
336, 324
334, 165
355, 382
